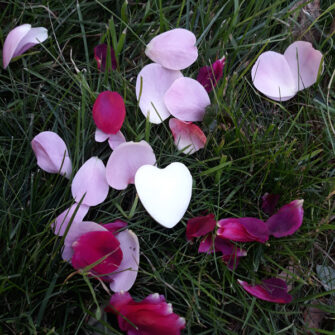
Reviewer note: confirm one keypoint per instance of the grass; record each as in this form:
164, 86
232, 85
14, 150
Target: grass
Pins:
254, 146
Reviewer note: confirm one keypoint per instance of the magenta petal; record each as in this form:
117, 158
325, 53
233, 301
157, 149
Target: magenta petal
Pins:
287, 220
151, 84
51, 153
113, 227
188, 137
209, 75
124, 162
269, 203
273, 290
100, 55
90, 182
175, 49
200, 226
124, 278
187, 99
59, 226
206, 244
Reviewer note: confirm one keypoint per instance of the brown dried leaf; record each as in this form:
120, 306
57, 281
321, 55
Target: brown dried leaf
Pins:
313, 317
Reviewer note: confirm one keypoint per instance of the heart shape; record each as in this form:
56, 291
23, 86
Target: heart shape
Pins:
164, 193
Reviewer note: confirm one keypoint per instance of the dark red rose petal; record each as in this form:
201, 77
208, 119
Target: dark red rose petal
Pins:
200, 226
209, 75
269, 203
115, 226
100, 55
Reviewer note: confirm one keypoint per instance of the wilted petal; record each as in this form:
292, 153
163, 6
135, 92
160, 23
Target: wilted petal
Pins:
200, 226
151, 84
269, 203
175, 49
90, 182
124, 278
20, 39
187, 135
304, 62
151, 316
100, 55
109, 112
115, 226
243, 229
59, 226
273, 290
124, 162
287, 220
209, 75
187, 99
51, 153
272, 76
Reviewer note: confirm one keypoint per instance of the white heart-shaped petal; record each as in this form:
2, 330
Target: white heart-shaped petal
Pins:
164, 193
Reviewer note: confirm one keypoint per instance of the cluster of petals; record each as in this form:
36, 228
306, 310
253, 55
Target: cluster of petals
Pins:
20, 39
151, 316
100, 55
281, 76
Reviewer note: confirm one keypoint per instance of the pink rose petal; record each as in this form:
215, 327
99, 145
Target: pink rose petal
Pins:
175, 49
287, 220
100, 136
151, 84
109, 112
188, 137
100, 55
269, 202
115, 226
20, 39
90, 182
200, 226
187, 99
273, 290
51, 153
304, 62
124, 162
114, 140
209, 75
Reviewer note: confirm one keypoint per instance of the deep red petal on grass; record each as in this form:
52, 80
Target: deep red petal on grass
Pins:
150, 316
113, 227
269, 203
273, 290
200, 226
287, 220
100, 55
109, 112
209, 75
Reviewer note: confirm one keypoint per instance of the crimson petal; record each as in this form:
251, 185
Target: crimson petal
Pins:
100, 55
269, 202
200, 226
113, 227
208, 76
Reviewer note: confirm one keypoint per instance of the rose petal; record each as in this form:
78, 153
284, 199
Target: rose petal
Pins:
209, 75
124, 162
109, 112
188, 137
100, 55
114, 140
59, 226
273, 290
175, 49
287, 220
272, 75
51, 153
100, 136
151, 84
20, 39
269, 203
115, 226
187, 99
124, 278
200, 226
304, 62
206, 244
90, 182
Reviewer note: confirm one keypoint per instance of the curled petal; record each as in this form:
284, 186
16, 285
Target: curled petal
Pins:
200, 226
151, 84
269, 203
90, 182
114, 140
115, 226
287, 220
151, 316
20, 39
175, 49
100, 55
273, 290
51, 153
109, 112
187, 99
304, 62
243, 229
209, 75
188, 137
124, 278
124, 162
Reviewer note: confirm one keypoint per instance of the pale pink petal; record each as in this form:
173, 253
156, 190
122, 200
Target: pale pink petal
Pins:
51, 153
62, 221
100, 136
115, 140
175, 49
187, 99
151, 84
188, 137
90, 182
124, 162
272, 76
304, 62
124, 278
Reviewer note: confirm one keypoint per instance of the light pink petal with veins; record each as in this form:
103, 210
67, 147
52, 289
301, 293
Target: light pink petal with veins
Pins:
100, 136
